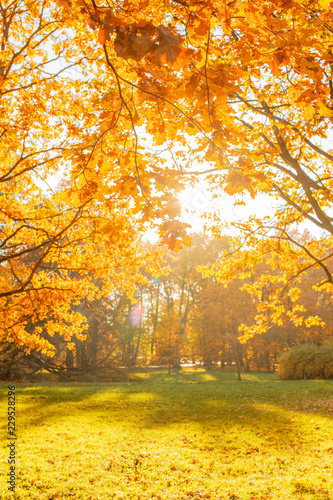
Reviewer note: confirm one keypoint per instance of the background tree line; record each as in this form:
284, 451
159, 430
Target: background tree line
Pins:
186, 315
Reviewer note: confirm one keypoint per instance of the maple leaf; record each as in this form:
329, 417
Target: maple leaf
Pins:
104, 35
237, 183
173, 234
132, 45
192, 84
135, 42
202, 28
324, 110
168, 44
92, 23
111, 21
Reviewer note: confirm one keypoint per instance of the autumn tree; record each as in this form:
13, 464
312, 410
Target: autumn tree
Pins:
65, 206
221, 310
177, 295
120, 101
251, 85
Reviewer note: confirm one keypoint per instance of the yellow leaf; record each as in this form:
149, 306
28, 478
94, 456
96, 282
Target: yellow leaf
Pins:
324, 110
237, 183
308, 112
67, 153
324, 3
105, 167
80, 181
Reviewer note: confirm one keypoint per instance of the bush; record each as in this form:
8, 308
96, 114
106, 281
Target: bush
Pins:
306, 361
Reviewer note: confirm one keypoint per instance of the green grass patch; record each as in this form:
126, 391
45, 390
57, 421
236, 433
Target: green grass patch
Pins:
186, 436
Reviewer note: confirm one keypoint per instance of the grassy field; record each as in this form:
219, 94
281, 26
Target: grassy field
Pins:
190, 435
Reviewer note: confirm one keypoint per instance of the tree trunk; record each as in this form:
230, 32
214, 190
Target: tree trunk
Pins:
207, 363
239, 377
69, 359
81, 355
237, 357
153, 340
135, 357
93, 347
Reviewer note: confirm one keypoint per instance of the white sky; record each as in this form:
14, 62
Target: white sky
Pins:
196, 201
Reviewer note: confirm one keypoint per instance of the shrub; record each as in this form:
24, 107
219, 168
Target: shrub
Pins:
305, 361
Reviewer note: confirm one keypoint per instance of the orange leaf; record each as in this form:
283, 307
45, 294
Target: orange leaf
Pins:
237, 183
169, 44
104, 35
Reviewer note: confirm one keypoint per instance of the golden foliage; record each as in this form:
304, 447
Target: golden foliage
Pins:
116, 106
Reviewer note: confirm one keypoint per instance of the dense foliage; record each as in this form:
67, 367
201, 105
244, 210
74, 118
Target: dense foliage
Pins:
179, 318
108, 108
307, 361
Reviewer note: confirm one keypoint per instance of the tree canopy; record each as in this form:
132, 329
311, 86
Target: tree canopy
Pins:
108, 108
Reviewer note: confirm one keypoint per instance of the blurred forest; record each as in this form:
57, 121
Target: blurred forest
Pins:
185, 316
107, 116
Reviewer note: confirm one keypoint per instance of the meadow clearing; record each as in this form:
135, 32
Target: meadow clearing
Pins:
186, 436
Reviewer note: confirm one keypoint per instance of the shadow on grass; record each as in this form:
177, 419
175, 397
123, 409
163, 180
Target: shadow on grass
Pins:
208, 400
196, 375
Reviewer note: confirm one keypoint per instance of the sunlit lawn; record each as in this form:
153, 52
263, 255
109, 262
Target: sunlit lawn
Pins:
189, 435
